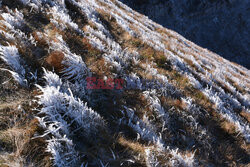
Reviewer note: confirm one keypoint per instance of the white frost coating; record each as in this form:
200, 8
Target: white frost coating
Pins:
154, 39
181, 160
53, 123
10, 55
150, 158
61, 18
63, 110
155, 105
145, 131
217, 93
211, 71
228, 114
175, 158
52, 79
74, 67
67, 105
62, 150
134, 82
14, 19
116, 56
218, 97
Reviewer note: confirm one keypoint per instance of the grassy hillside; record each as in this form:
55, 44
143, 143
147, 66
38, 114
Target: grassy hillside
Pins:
222, 26
180, 104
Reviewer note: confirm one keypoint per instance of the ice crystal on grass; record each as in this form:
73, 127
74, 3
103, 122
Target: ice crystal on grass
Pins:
155, 105
63, 152
10, 55
61, 18
173, 81
75, 68
65, 115
52, 79
181, 160
57, 103
14, 19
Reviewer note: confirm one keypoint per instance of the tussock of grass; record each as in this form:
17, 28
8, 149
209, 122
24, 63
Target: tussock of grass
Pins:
54, 60
16, 136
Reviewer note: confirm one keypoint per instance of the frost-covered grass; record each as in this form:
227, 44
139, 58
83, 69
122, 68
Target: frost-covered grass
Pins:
157, 64
10, 55
61, 19
63, 112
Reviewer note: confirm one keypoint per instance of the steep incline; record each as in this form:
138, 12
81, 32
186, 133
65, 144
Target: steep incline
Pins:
222, 26
180, 105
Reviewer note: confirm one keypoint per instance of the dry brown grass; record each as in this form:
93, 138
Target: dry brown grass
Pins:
225, 87
16, 137
200, 99
246, 115
115, 30
228, 127
40, 38
54, 60
134, 146
76, 43
191, 64
146, 52
170, 102
79, 45
22, 146
99, 67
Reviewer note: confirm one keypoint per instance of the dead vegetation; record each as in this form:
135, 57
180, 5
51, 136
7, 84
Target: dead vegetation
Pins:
18, 127
18, 142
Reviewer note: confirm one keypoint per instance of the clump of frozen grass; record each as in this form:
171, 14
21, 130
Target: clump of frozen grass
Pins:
52, 79
143, 130
63, 152
9, 54
172, 157
133, 82
65, 115
13, 19
58, 102
155, 104
75, 68
59, 145
150, 158
10, 27
61, 18
181, 160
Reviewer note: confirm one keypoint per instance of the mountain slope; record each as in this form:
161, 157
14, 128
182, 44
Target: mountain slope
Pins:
222, 26
180, 104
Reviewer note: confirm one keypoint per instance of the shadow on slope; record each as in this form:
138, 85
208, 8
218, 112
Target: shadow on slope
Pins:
221, 26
